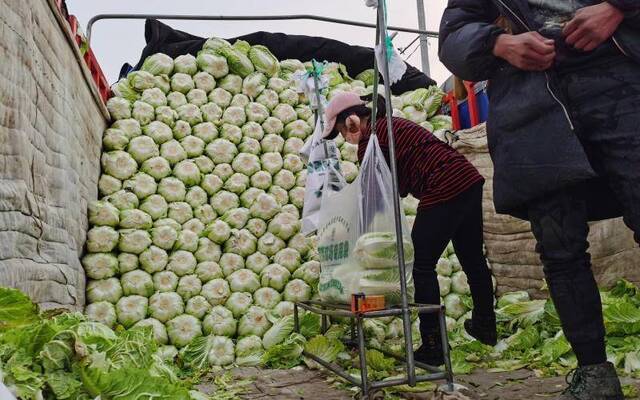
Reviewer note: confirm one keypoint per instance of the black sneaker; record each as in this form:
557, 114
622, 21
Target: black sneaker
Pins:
593, 382
483, 329
430, 352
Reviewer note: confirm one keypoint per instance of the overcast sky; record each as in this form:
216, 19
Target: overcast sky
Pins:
119, 41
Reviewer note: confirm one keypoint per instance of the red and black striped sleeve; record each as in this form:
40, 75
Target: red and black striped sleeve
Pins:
429, 169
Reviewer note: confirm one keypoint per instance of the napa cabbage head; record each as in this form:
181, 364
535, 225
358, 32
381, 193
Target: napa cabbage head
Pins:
249, 351
183, 329
238, 62
254, 322
219, 321
212, 63
238, 303
157, 64
263, 60
378, 250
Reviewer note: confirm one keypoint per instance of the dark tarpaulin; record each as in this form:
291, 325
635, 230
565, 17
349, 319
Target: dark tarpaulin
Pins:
161, 38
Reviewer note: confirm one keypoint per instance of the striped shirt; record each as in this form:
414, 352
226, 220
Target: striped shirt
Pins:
429, 169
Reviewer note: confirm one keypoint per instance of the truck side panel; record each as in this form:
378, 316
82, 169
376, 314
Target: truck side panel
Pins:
51, 123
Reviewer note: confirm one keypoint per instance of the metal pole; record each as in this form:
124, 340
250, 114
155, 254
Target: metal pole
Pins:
445, 350
316, 84
319, 116
296, 321
324, 324
99, 17
376, 81
362, 350
406, 317
353, 330
424, 43
333, 368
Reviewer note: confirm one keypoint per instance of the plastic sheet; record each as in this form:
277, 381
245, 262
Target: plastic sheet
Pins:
323, 170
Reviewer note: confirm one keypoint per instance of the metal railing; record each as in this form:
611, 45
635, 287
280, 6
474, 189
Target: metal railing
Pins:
101, 17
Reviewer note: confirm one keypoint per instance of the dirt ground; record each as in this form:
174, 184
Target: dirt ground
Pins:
304, 384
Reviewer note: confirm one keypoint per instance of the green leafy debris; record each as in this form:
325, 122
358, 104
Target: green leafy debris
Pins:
65, 356
16, 309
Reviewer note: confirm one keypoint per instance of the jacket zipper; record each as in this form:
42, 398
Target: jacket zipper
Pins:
546, 75
524, 24
564, 108
615, 41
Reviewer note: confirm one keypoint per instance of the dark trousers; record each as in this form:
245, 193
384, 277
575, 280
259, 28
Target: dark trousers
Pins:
605, 103
458, 220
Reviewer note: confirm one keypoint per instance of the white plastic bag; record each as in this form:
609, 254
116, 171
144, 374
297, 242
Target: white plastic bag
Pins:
305, 83
5, 394
323, 168
357, 239
397, 66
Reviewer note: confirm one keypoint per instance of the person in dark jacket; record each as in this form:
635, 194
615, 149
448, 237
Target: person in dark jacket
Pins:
450, 192
564, 137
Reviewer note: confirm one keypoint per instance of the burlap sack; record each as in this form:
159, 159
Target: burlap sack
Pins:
511, 245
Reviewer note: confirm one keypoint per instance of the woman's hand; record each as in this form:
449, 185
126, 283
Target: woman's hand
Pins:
528, 51
592, 26
353, 123
352, 132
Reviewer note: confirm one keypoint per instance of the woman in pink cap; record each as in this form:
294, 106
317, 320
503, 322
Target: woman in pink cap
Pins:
450, 192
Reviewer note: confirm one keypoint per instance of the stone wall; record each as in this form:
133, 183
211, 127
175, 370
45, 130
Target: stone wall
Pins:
51, 123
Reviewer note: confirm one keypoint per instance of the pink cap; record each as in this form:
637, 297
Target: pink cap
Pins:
337, 105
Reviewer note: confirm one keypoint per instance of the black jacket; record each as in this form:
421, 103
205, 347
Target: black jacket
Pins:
530, 132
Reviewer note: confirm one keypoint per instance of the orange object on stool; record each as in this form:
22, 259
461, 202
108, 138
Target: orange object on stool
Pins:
361, 303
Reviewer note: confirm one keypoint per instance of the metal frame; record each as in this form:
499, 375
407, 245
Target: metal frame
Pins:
424, 44
381, 34
357, 340
100, 17
326, 309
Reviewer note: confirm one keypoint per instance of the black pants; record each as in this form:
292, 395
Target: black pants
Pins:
605, 102
458, 220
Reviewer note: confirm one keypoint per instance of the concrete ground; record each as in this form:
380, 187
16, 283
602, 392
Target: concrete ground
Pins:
304, 384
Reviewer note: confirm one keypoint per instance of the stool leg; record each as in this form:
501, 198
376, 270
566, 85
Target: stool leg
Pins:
363, 358
445, 349
324, 323
352, 327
